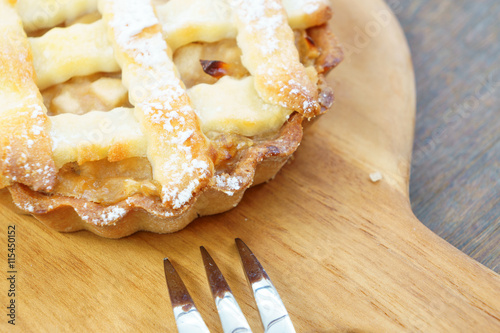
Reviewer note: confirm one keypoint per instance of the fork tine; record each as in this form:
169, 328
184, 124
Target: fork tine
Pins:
232, 318
187, 317
272, 311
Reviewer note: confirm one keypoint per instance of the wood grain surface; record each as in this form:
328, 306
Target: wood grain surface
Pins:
455, 182
346, 254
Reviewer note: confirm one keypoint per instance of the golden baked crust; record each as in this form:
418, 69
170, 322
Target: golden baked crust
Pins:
146, 163
25, 150
256, 165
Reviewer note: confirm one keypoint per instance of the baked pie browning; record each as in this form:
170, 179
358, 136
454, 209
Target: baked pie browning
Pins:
147, 120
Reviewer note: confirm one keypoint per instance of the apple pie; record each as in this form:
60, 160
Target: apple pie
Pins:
126, 115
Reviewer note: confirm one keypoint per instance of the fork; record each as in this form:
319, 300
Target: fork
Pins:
273, 313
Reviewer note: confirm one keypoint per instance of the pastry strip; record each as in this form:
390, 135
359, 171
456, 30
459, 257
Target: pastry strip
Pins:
113, 135
177, 149
25, 148
40, 14
270, 55
79, 50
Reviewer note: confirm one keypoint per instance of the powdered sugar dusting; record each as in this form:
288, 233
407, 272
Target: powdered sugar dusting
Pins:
106, 216
38, 117
24, 157
112, 214
152, 51
228, 184
129, 19
263, 18
36, 130
133, 16
172, 191
176, 134
160, 100
180, 165
270, 55
27, 207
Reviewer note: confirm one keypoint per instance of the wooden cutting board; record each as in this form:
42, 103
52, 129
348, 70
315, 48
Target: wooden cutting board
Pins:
346, 254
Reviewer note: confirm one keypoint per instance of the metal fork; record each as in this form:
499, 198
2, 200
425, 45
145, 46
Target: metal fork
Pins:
272, 311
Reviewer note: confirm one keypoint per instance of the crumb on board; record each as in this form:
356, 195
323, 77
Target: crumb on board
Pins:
375, 177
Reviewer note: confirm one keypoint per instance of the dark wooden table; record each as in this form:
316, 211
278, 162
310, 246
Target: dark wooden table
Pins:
455, 181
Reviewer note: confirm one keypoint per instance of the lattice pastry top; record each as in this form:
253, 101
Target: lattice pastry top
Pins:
125, 115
